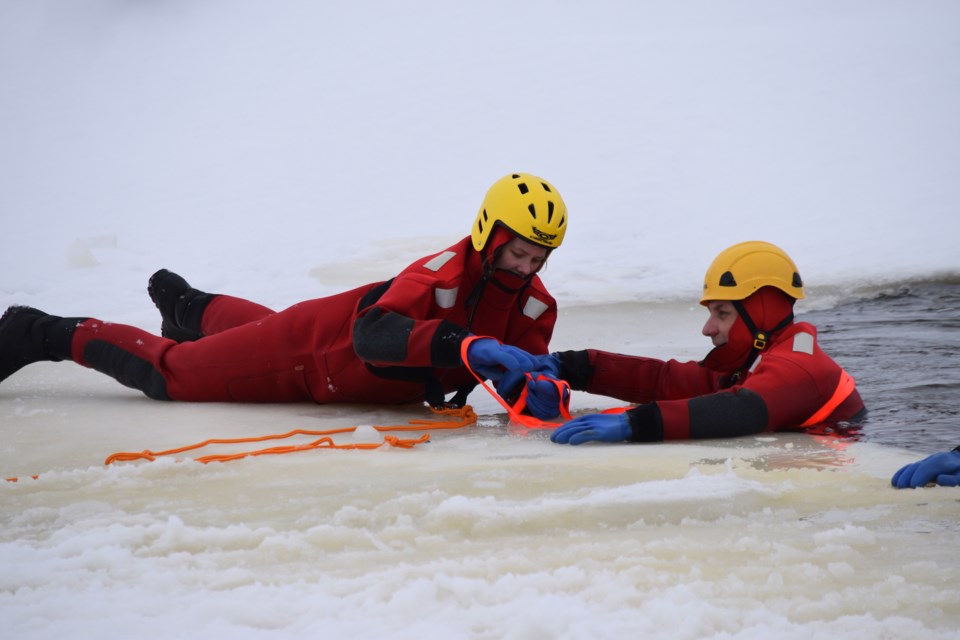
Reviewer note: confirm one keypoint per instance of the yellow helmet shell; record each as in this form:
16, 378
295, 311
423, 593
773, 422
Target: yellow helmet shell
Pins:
742, 269
527, 205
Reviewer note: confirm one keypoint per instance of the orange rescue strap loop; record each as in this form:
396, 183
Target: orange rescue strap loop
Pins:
515, 412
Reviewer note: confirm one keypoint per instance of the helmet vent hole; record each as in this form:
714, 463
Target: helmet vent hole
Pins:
727, 280
533, 211
546, 187
550, 211
523, 188
797, 282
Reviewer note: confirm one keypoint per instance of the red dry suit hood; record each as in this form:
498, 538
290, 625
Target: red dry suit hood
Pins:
771, 311
501, 236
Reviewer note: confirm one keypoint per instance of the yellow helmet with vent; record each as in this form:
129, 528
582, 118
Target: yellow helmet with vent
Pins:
742, 269
527, 205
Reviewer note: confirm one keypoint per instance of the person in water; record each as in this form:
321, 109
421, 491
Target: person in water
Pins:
389, 342
766, 372
942, 468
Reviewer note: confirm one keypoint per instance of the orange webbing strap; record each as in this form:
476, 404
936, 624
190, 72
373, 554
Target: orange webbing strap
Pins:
458, 418
515, 411
619, 409
18, 479
845, 387
463, 416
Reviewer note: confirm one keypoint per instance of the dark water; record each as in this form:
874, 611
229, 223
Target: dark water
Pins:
903, 348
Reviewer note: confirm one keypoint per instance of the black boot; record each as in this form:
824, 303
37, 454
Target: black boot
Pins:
181, 306
28, 335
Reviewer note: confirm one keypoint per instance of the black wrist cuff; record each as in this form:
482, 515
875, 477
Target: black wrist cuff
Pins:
445, 345
646, 423
575, 368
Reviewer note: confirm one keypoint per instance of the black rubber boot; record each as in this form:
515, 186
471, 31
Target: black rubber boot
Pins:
28, 335
181, 306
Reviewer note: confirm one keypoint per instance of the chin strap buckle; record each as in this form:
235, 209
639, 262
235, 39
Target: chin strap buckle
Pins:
760, 341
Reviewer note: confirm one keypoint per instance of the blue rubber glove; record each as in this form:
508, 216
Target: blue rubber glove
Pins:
942, 468
492, 360
548, 364
543, 397
604, 427
509, 385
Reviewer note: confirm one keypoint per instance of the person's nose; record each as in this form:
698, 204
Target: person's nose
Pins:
709, 328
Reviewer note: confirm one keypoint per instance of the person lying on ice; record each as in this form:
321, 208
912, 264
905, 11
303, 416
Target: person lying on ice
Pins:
765, 373
387, 342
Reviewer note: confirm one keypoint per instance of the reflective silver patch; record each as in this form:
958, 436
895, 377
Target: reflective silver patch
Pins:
803, 342
446, 298
533, 308
436, 262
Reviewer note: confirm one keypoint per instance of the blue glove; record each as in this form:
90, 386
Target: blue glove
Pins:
942, 468
492, 360
605, 427
549, 365
508, 385
543, 397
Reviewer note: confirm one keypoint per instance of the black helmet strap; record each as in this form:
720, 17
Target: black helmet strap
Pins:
761, 339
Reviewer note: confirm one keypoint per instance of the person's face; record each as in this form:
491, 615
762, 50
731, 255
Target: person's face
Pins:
521, 258
722, 316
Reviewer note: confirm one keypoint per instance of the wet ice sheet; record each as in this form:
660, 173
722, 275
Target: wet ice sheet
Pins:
490, 532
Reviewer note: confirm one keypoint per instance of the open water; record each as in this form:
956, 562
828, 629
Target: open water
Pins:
903, 348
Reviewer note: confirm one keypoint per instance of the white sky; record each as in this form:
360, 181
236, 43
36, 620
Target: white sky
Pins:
250, 144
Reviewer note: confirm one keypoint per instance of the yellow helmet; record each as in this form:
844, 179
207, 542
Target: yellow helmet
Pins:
527, 205
742, 269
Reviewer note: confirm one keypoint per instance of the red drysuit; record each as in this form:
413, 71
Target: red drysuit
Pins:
788, 383
389, 342
791, 380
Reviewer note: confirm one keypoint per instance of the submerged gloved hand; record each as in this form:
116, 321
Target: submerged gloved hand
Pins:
493, 360
543, 397
604, 427
942, 468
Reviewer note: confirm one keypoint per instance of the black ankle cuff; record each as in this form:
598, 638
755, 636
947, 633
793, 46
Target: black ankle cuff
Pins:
58, 338
190, 309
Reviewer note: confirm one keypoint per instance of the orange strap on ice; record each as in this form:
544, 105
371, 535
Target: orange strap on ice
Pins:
461, 417
18, 479
845, 387
515, 411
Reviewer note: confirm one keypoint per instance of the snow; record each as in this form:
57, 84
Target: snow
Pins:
292, 149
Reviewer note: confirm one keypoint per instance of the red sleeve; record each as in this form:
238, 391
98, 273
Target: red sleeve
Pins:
638, 379
403, 328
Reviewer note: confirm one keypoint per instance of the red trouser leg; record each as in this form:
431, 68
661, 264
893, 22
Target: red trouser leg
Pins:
266, 360
127, 354
226, 312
